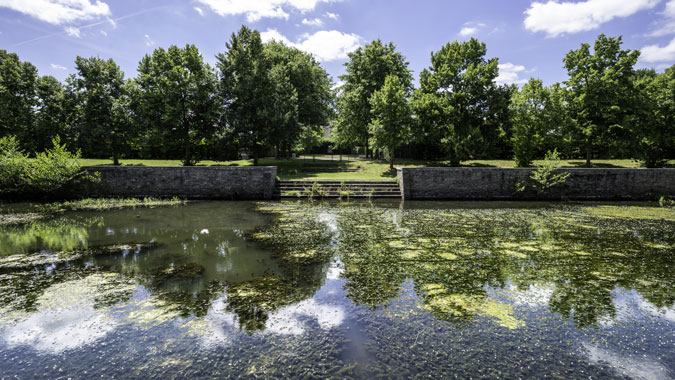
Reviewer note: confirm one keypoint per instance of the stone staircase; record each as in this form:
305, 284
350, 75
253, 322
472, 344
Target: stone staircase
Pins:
337, 189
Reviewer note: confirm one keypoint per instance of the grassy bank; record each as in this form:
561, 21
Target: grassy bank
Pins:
354, 169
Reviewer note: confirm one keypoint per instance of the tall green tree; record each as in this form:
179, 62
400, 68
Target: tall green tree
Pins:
600, 84
367, 69
393, 118
653, 121
98, 86
52, 115
312, 85
18, 81
457, 98
247, 88
530, 121
180, 103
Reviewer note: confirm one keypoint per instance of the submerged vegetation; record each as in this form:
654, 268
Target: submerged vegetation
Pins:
345, 289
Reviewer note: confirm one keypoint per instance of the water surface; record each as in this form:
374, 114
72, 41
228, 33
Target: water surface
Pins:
343, 290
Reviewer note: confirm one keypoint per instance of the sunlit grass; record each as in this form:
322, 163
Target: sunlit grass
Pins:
366, 169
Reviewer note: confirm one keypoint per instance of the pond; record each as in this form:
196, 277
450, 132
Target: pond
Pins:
341, 290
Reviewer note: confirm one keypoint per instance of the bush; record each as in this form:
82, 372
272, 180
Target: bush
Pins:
50, 173
546, 176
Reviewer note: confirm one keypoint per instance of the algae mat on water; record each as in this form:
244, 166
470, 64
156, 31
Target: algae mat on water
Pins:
341, 290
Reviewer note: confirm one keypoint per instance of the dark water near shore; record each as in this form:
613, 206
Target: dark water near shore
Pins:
341, 290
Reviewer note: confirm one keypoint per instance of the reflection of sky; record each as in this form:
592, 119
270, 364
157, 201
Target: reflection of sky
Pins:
628, 303
643, 367
65, 319
533, 296
220, 326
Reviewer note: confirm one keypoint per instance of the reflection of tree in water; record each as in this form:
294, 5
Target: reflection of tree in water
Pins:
177, 284
62, 234
454, 256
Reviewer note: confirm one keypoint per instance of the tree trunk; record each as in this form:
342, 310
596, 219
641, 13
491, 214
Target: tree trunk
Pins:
187, 160
588, 156
255, 157
116, 159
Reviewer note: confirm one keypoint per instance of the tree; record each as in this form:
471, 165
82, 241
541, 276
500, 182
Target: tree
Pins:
312, 85
392, 124
600, 91
52, 115
246, 89
17, 96
367, 70
457, 97
180, 104
98, 87
653, 120
530, 121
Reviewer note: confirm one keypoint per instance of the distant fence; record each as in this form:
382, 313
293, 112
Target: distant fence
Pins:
197, 182
500, 184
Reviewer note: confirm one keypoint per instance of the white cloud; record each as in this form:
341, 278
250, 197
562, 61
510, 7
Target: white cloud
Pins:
148, 40
556, 18
510, 74
325, 45
104, 33
59, 11
332, 16
258, 9
200, 11
315, 22
471, 29
656, 53
73, 31
58, 67
665, 26
468, 31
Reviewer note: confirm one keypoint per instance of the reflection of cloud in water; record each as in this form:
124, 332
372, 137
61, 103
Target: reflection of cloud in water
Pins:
287, 320
220, 326
628, 302
533, 296
335, 270
643, 368
65, 318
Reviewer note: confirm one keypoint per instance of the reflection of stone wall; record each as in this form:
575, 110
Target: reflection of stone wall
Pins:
198, 182
496, 183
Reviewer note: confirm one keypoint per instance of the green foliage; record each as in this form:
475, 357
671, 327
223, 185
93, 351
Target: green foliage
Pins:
50, 173
456, 97
528, 108
102, 102
653, 120
179, 106
303, 89
392, 124
546, 177
367, 70
665, 201
600, 94
17, 97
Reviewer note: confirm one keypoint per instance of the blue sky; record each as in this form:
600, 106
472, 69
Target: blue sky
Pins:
529, 37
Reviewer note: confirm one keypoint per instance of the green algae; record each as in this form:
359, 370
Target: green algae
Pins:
632, 212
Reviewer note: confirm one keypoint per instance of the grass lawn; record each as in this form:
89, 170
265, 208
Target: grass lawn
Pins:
326, 167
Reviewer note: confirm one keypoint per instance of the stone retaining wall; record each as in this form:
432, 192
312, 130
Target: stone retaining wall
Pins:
197, 182
499, 184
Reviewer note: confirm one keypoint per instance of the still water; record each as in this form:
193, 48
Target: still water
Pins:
341, 290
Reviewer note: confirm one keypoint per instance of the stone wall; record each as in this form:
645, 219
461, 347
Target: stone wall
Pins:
496, 184
197, 182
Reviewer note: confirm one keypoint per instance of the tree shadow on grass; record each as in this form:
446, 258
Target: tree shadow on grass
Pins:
601, 165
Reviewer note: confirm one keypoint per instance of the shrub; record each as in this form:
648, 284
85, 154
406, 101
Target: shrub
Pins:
50, 173
546, 176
